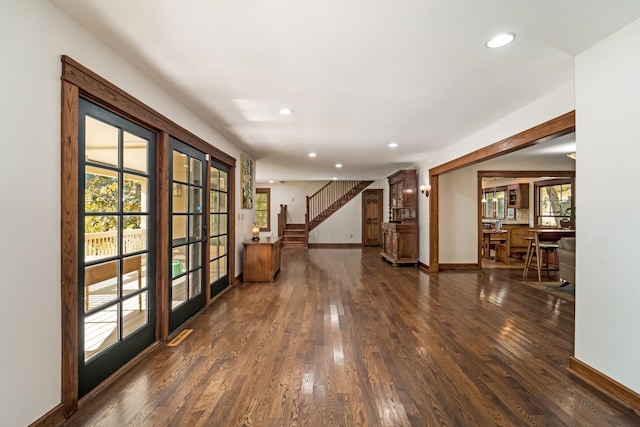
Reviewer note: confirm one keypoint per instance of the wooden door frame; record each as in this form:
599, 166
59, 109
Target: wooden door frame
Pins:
561, 125
381, 193
78, 81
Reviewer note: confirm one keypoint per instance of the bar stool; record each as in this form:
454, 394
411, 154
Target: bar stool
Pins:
541, 251
527, 259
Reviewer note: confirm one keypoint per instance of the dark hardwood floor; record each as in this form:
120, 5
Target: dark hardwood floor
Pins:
342, 338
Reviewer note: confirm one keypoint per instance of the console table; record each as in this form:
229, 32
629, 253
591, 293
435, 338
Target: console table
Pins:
261, 259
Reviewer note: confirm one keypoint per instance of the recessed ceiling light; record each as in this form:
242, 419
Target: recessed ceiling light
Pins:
270, 181
312, 154
393, 144
338, 165
500, 40
335, 178
285, 111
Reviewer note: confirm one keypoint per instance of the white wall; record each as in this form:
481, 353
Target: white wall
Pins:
608, 137
345, 226
35, 34
294, 195
546, 108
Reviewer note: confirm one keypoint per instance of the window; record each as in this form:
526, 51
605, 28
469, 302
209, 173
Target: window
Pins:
495, 206
553, 201
263, 207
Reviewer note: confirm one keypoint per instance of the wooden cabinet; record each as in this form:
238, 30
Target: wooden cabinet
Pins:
403, 198
400, 242
400, 234
261, 259
518, 196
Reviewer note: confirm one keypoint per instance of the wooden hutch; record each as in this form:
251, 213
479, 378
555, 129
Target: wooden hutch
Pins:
400, 234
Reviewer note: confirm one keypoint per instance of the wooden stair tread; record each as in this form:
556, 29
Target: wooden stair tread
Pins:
294, 226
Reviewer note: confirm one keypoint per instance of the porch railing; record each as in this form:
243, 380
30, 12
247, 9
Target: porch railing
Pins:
106, 243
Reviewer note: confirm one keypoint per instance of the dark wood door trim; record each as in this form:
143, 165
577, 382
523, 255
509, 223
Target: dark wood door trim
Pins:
162, 240
69, 246
561, 125
104, 93
434, 246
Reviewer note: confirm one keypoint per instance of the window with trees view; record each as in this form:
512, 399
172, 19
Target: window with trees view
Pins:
553, 201
263, 204
495, 206
101, 195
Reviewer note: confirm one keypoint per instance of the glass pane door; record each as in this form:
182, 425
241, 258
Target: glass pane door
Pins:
117, 243
188, 234
218, 228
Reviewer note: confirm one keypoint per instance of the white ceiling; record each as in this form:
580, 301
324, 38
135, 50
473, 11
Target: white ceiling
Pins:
358, 74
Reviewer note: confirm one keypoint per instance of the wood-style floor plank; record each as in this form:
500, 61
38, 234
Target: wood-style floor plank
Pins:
342, 338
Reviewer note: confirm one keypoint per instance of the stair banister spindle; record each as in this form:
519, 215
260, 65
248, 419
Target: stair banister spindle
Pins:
328, 199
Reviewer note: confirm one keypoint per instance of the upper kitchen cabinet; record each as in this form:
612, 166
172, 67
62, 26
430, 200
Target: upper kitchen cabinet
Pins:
518, 196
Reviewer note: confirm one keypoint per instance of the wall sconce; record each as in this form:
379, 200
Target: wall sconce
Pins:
255, 231
424, 189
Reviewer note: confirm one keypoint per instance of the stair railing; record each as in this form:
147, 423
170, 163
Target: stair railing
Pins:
306, 230
327, 197
282, 220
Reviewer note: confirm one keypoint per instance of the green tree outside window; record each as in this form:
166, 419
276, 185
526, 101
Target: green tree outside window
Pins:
101, 195
262, 206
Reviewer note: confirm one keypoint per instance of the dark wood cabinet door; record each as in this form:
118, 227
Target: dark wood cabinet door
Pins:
372, 217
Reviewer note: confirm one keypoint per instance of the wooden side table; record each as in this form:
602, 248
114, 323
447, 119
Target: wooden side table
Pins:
261, 259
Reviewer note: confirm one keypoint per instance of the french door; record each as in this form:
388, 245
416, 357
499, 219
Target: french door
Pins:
188, 232
111, 167
218, 227
116, 245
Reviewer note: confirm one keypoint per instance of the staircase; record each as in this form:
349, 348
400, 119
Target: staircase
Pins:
294, 236
326, 201
320, 206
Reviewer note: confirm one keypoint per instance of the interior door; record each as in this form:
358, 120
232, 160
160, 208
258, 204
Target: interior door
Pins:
188, 232
116, 268
372, 217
